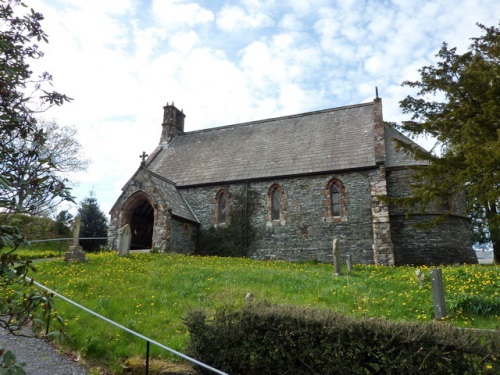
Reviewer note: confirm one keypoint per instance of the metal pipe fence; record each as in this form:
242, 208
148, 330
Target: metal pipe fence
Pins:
61, 240
148, 340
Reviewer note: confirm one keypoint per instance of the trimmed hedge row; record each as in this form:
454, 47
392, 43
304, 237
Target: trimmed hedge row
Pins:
265, 339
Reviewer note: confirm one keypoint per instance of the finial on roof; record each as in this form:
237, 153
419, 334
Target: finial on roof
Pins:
376, 92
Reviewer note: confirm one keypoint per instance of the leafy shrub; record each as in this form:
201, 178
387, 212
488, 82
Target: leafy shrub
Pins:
265, 339
34, 227
9, 364
478, 305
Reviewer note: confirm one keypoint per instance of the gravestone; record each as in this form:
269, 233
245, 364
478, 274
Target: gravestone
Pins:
336, 257
420, 277
124, 238
438, 293
348, 260
249, 298
75, 252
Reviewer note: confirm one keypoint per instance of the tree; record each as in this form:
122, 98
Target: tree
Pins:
21, 98
94, 223
458, 103
63, 220
37, 167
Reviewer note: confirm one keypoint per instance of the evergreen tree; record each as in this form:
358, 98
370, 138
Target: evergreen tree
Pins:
63, 220
94, 223
458, 103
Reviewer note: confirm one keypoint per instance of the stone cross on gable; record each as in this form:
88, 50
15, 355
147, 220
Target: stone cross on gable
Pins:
143, 156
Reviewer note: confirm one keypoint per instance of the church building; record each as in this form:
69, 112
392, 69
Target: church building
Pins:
312, 177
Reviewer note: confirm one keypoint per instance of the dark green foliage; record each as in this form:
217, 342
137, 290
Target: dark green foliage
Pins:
94, 223
18, 37
458, 103
477, 306
21, 97
234, 238
63, 220
37, 228
264, 339
9, 364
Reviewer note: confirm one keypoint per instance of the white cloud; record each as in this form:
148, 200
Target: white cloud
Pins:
234, 18
184, 41
225, 62
175, 13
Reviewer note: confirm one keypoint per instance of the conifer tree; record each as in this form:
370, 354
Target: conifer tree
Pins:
94, 223
458, 103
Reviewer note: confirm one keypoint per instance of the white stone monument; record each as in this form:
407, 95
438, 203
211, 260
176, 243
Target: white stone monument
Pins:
75, 253
124, 238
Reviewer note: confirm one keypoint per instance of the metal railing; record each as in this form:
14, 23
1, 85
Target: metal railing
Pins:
148, 340
61, 240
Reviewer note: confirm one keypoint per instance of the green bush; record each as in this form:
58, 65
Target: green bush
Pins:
264, 339
234, 238
477, 305
34, 227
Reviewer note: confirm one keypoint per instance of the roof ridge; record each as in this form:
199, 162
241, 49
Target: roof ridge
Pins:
263, 121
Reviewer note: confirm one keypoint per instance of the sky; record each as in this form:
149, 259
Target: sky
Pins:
231, 61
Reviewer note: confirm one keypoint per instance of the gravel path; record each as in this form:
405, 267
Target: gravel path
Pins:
40, 357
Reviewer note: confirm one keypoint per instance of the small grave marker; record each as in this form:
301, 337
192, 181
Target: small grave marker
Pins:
124, 238
348, 261
420, 277
438, 293
336, 257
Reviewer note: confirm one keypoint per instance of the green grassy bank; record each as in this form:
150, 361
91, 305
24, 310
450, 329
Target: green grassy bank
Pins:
151, 293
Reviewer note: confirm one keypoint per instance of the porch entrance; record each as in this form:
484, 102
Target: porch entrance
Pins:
142, 222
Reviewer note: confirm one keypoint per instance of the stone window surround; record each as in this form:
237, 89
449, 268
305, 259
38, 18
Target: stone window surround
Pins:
282, 205
329, 203
217, 220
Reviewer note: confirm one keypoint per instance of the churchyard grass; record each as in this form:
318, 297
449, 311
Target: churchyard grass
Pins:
26, 254
151, 293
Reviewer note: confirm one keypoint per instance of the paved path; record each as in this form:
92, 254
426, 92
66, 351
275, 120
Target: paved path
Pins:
41, 358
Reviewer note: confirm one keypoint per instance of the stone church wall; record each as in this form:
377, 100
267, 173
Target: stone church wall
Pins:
182, 237
305, 232
448, 243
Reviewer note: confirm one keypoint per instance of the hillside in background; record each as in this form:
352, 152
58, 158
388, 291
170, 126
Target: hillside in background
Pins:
38, 228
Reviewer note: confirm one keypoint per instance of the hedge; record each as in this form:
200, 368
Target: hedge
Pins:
266, 339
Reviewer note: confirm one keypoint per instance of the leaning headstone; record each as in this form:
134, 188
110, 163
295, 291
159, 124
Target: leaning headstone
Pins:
124, 238
336, 257
75, 252
438, 293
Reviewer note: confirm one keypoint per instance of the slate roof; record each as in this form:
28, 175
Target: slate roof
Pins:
174, 199
398, 158
322, 141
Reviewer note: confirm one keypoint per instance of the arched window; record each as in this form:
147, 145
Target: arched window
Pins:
336, 199
275, 197
221, 201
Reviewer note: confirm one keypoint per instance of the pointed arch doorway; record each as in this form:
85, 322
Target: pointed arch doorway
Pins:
141, 218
